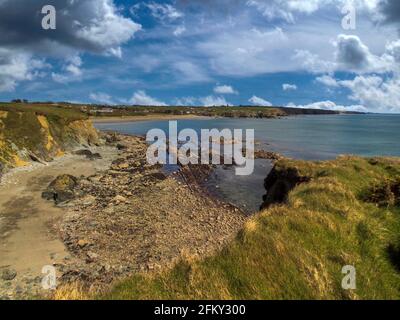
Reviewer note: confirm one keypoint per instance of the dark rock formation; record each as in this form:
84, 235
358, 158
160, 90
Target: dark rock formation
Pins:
279, 183
61, 189
89, 154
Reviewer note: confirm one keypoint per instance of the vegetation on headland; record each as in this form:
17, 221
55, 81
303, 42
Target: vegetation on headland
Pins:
40, 132
94, 110
345, 212
222, 111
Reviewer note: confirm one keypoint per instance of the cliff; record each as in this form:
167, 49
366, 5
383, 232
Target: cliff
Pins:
40, 133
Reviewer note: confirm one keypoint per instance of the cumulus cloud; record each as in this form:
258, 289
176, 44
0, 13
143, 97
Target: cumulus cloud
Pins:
18, 66
327, 80
90, 25
375, 92
329, 105
185, 101
247, 52
102, 98
351, 55
260, 101
285, 10
224, 89
288, 87
140, 98
213, 101
82, 26
312, 62
72, 71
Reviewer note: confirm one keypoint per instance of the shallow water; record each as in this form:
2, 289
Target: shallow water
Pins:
302, 137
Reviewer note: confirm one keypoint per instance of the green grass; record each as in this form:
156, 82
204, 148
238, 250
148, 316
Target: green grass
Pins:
61, 112
297, 250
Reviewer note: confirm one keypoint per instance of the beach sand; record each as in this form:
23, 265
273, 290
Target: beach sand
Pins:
153, 117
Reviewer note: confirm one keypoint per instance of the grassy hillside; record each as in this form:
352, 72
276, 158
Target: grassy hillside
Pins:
40, 132
346, 212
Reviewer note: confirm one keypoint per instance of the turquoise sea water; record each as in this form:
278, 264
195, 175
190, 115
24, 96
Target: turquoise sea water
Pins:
302, 137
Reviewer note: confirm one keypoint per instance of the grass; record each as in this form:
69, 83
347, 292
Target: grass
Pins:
297, 250
59, 112
229, 112
42, 129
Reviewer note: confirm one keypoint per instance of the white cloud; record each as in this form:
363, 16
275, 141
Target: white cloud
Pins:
224, 89
375, 92
260, 101
328, 105
102, 98
140, 98
72, 70
212, 101
179, 31
107, 29
95, 26
244, 52
327, 80
288, 87
163, 11
353, 55
15, 67
312, 62
185, 101
288, 9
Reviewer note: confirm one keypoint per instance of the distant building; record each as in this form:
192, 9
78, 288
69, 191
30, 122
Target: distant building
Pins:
102, 110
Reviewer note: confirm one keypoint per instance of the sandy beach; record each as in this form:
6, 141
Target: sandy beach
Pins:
28, 237
153, 117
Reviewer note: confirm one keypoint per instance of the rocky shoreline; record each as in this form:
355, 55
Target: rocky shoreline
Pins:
135, 217
130, 217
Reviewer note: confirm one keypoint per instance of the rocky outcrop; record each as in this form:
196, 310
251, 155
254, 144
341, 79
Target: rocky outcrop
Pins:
280, 181
62, 189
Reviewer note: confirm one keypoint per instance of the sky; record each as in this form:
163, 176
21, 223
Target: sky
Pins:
295, 53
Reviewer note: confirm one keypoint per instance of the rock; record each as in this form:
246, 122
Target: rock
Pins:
83, 152
119, 199
92, 256
94, 156
88, 200
8, 274
61, 189
121, 146
89, 154
83, 243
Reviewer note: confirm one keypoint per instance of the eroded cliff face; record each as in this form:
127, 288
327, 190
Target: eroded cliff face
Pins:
280, 181
27, 137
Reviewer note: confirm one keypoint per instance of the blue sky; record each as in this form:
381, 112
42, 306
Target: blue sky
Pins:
191, 52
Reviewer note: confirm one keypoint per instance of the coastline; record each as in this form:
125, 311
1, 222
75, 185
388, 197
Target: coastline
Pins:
117, 192
153, 117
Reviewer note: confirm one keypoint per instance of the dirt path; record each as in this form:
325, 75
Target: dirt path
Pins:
27, 242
